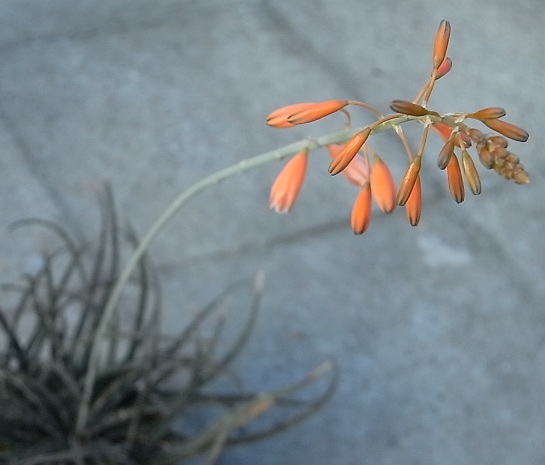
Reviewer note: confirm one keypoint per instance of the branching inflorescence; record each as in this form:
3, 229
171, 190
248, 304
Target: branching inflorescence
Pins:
365, 169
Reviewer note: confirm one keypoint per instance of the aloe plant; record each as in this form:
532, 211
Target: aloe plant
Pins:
145, 381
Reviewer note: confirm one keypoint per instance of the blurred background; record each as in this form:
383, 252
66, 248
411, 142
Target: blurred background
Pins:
438, 330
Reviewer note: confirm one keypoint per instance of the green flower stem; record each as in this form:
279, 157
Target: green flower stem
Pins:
171, 210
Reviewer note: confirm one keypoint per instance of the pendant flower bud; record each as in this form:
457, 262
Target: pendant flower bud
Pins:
357, 172
288, 183
361, 211
472, 176
349, 151
444, 68
409, 108
440, 44
488, 113
445, 154
382, 185
507, 129
413, 207
454, 179
408, 181
279, 117
316, 111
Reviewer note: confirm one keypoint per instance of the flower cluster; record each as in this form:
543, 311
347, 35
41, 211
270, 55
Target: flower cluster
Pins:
352, 156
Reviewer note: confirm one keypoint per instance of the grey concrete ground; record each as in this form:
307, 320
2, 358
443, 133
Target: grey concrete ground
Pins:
439, 330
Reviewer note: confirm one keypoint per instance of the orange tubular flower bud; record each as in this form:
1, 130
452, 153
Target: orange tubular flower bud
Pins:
279, 117
413, 207
408, 181
445, 154
455, 181
361, 211
348, 152
357, 172
472, 176
440, 44
287, 185
316, 111
488, 113
444, 68
382, 185
507, 129
409, 108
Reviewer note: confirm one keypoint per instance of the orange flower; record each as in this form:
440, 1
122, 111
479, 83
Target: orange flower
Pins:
279, 117
454, 178
382, 185
361, 211
413, 207
316, 111
287, 185
357, 171
440, 44
348, 152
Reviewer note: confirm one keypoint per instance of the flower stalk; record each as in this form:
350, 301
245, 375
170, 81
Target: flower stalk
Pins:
351, 159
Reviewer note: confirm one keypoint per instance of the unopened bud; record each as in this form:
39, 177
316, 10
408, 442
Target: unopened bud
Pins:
409, 179
507, 129
348, 152
440, 44
471, 173
454, 179
488, 113
408, 108
446, 152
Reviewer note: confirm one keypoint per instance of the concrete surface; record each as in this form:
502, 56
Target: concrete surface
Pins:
439, 330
